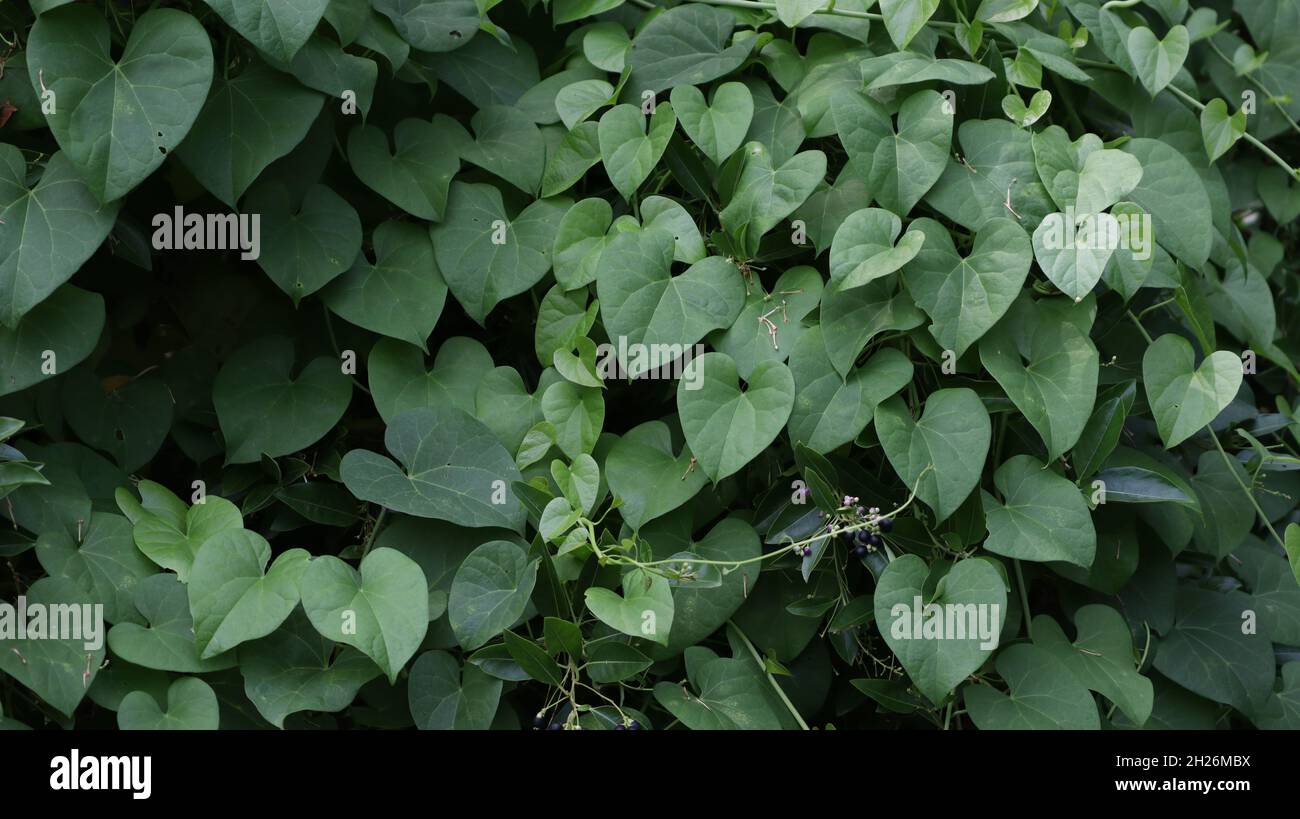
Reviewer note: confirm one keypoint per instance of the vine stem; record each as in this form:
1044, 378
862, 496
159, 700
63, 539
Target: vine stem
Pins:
374, 531
794, 712
1141, 329
1024, 595
1228, 463
1255, 82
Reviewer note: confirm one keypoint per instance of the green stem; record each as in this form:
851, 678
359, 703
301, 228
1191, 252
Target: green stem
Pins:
1251, 79
1141, 329
794, 712
1227, 460
1264, 149
752, 5
374, 531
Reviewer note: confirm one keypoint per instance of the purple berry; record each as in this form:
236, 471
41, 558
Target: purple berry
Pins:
860, 551
875, 539
886, 524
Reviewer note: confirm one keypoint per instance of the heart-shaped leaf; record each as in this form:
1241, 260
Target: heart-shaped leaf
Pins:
1042, 516
965, 297
442, 25
233, 597
830, 410
67, 324
445, 697
507, 143
490, 592
643, 473
689, 44
765, 194
117, 120
400, 294
277, 28
952, 437
1081, 175
170, 533
1100, 657
1025, 115
718, 128
1281, 194
901, 163
1185, 398
296, 669
191, 706
938, 662
416, 174
645, 608
771, 324
265, 410
59, 670
641, 301
46, 232
167, 643
105, 565
453, 468
248, 122
1048, 367
851, 318
1157, 62
485, 256
727, 427
307, 246
628, 149
129, 422
1044, 695
1219, 129
1073, 255
400, 380
904, 19
381, 610
866, 247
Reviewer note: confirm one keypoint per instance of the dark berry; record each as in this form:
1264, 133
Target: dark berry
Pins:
886, 524
620, 727
556, 726
634, 726
861, 537
875, 539
539, 720
860, 551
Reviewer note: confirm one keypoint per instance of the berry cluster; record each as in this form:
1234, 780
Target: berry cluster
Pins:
867, 523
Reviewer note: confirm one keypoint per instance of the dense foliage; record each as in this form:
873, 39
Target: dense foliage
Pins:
996, 300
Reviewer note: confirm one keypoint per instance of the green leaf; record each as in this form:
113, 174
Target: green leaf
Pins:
130, 422
296, 669
309, 245
610, 662
508, 144
952, 436
1274, 588
444, 697
485, 256
167, 644
685, 45
644, 610
644, 474
765, 194
994, 178
59, 671
1157, 62
1292, 543
1183, 397
146, 101
1004, 11
1219, 129
1209, 652
400, 294
936, 666
578, 414
718, 128
233, 597
452, 468
1048, 367
432, 25
1043, 695
248, 122
965, 296
1042, 516
278, 28
1172, 192
105, 564
630, 149
533, 659
399, 380
829, 409
750, 339
47, 232
265, 410
380, 609
866, 247
67, 325
1101, 657
416, 174
168, 532
726, 427
1025, 115
660, 315
904, 19
733, 694
191, 706
490, 592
